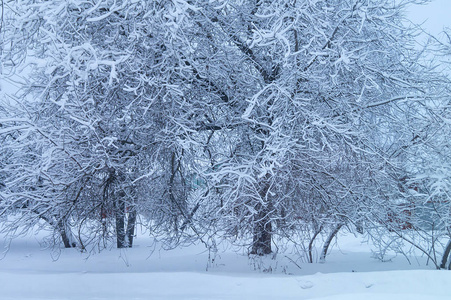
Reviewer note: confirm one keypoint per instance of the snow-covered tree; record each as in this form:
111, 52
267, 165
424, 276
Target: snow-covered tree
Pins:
99, 126
301, 97
252, 121
418, 213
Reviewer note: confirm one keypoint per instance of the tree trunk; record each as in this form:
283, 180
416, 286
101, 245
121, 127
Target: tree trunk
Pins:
328, 241
131, 226
120, 223
261, 243
262, 231
65, 238
310, 245
446, 256
66, 235
60, 226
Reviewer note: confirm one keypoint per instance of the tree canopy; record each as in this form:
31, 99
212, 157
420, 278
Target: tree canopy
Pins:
257, 122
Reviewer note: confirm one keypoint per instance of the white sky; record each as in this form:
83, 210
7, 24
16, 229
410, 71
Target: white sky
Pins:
435, 15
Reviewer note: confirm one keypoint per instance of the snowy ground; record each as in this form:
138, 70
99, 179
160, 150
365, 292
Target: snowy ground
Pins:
30, 272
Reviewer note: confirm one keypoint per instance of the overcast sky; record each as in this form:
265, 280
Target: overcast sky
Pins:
435, 15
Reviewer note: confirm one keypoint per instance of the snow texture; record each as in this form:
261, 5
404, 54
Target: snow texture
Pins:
29, 272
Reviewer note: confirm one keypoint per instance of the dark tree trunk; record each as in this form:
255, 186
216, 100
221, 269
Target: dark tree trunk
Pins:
67, 241
261, 243
445, 256
120, 223
328, 241
310, 245
262, 231
131, 226
61, 228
